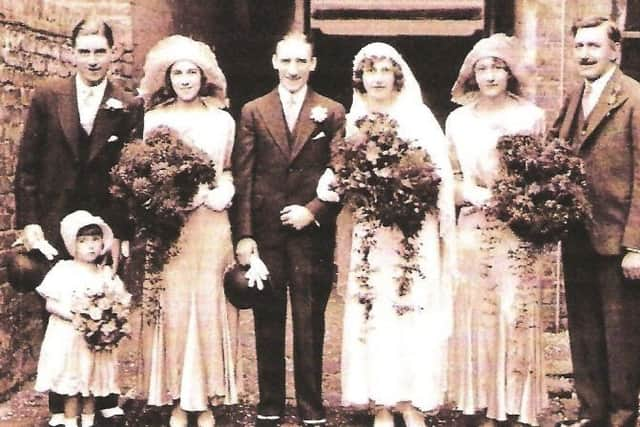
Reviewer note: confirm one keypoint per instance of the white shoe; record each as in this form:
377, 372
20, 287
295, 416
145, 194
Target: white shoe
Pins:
56, 419
70, 422
178, 418
206, 419
413, 418
383, 418
87, 420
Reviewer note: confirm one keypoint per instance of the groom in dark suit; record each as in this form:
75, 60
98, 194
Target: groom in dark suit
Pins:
284, 145
602, 259
73, 136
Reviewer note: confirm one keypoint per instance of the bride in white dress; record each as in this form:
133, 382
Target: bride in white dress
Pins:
191, 359
393, 361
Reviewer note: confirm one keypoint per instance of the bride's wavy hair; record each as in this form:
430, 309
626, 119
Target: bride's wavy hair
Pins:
367, 64
513, 86
167, 94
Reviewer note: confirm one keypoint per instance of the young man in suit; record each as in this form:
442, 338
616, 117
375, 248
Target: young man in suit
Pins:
284, 145
602, 259
73, 136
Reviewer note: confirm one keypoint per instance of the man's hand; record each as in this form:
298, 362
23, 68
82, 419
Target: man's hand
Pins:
33, 238
296, 216
631, 265
244, 249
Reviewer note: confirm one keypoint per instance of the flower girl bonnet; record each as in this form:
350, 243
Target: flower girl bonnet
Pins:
72, 223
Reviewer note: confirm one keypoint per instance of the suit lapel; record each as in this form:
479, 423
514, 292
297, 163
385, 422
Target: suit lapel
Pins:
271, 112
305, 125
610, 99
570, 116
69, 116
103, 125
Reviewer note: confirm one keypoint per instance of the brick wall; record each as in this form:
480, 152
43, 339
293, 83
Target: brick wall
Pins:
34, 45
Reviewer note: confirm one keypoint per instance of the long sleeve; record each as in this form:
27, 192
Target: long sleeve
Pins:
28, 210
243, 160
323, 210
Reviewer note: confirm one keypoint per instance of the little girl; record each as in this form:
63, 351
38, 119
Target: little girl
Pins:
67, 365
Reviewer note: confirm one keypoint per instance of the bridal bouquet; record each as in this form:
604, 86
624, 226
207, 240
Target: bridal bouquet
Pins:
387, 182
102, 318
158, 177
543, 190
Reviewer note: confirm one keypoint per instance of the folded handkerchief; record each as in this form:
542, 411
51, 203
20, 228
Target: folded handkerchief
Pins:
319, 135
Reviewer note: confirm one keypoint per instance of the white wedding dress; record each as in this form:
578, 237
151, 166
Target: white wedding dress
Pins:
391, 358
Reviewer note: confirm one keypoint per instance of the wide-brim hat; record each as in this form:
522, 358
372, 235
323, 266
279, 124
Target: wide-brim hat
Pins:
72, 223
26, 270
176, 48
499, 46
237, 290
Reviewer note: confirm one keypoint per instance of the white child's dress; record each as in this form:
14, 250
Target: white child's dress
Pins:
67, 366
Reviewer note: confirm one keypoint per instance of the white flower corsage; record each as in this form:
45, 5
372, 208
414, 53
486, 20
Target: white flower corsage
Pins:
114, 104
318, 114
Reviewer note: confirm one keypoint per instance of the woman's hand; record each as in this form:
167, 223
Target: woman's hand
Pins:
220, 198
324, 189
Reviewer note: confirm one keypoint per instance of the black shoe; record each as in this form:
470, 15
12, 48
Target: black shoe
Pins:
114, 421
582, 422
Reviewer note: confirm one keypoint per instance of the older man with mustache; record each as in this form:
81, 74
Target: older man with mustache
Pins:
602, 259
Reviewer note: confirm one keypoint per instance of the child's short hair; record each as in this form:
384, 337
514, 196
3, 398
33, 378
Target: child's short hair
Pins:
90, 230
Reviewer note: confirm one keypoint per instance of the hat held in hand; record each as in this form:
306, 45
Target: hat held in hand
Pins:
26, 270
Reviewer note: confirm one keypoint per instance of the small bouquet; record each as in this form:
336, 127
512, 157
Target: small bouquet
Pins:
157, 178
543, 192
102, 318
387, 182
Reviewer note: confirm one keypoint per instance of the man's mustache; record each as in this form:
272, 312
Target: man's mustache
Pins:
587, 61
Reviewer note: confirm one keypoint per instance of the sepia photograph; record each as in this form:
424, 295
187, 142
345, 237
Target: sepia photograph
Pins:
280, 213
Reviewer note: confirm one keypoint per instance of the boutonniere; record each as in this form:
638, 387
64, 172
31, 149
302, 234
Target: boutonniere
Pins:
113, 138
114, 104
613, 96
318, 114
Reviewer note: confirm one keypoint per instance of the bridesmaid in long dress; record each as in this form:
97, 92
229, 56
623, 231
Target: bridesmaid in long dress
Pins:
192, 362
390, 360
496, 350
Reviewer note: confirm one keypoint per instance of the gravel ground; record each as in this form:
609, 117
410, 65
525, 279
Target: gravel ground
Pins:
29, 409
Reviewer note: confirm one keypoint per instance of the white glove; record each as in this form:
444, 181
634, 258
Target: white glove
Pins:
477, 196
257, 272
33, 238
220, 198
326, 182
199, 198
125, 248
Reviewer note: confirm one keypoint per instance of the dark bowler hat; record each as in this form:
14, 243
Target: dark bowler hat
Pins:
25, 270
236, 287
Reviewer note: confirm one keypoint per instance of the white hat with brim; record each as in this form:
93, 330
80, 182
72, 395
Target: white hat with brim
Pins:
176, 48
499, 46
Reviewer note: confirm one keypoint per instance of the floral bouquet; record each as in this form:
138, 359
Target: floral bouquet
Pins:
387, 182
102, 318
158, 177
543, 192
384, 178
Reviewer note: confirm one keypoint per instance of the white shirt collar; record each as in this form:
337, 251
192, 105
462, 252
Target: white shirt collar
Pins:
598, 85
298, 97
82, 88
